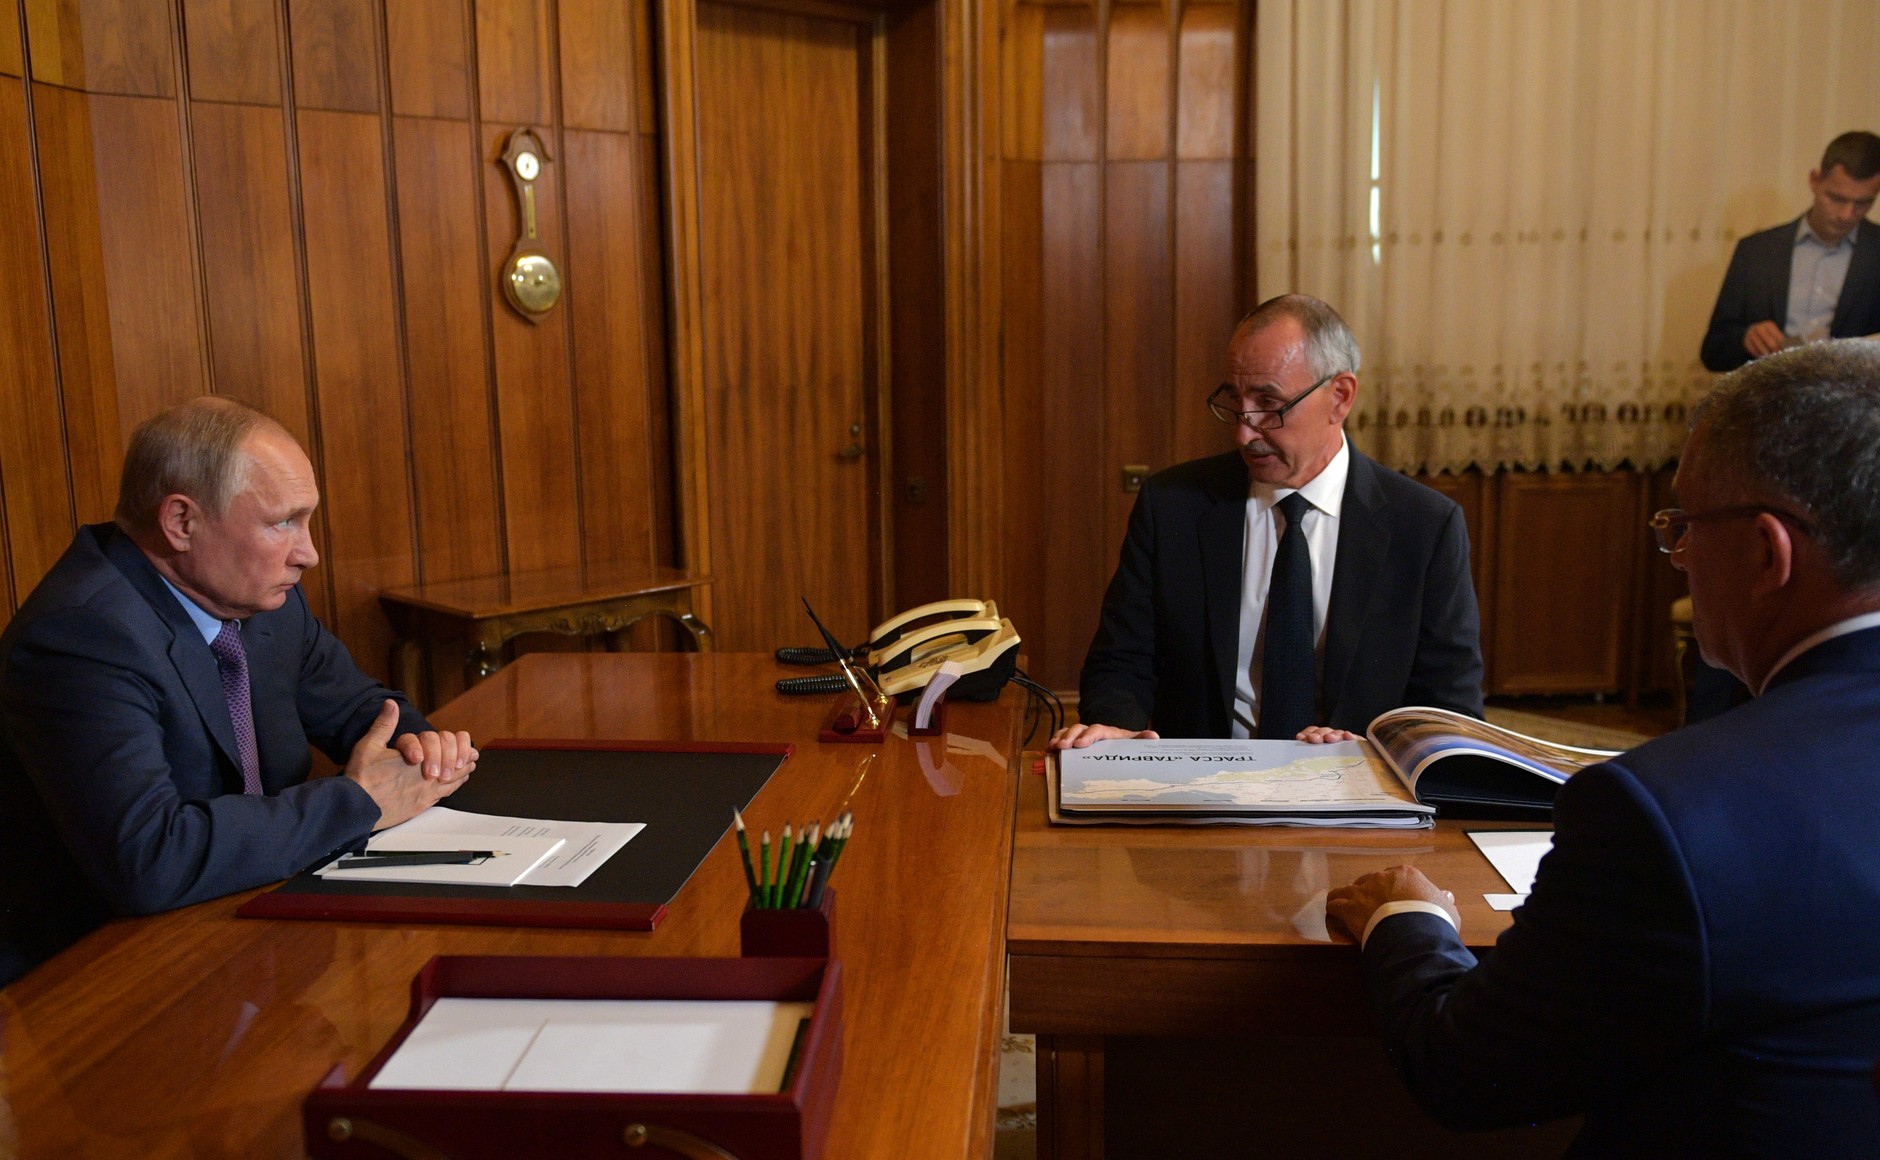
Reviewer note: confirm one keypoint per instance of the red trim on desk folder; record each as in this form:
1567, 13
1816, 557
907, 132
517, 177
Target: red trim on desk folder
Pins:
463, 911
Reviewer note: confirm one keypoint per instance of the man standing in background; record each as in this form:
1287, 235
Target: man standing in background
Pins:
1813, 278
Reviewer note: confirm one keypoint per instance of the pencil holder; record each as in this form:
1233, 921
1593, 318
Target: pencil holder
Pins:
807, 932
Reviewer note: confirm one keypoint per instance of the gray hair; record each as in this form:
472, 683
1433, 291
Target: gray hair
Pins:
192, 449
1803, 427
1330, 348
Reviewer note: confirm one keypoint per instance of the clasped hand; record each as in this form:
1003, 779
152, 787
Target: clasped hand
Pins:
409, 775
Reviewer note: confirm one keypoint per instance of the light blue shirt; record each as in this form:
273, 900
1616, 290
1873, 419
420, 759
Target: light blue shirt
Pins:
208, 625
1816, 274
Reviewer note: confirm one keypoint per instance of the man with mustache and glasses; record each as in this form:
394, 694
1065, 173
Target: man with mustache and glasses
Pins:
1292, 587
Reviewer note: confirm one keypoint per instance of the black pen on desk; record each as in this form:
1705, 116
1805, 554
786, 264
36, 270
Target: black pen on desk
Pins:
371, 861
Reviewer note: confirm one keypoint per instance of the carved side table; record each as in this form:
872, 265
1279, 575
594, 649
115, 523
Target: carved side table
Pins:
482, 614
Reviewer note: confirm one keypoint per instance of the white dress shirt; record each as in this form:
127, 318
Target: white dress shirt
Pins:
1326, 493
1817, 271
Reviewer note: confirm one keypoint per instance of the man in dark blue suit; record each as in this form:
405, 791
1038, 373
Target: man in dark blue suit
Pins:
1812, 278
1697, 970
159, 690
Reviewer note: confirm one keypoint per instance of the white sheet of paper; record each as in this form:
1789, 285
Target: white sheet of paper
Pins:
1504, 901
1515, 854
598, 1045
586, 844
515, 858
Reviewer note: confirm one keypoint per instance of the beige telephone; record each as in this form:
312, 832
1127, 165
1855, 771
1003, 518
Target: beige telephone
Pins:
904, 652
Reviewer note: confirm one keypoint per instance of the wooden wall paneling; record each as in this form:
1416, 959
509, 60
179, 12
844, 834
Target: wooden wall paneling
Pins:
534, 397
1567, 546
80, 299
612, 388
917, 493
513, 61
786, 294
336, 54
661, 396
365, 473
427, 46
1207, 301
248, 231
452, 444
1029, 516
233, 49
970, 218
1138, 317
102, 46
12, 56
36, 514
1078, 551
123, 274
648, 65
1021, 79
676, 30
599, 78
1072, 113
1136, 67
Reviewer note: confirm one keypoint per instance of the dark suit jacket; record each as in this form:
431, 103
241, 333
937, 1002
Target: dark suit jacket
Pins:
1698, 967
1401, 627
120, 784
1756, 289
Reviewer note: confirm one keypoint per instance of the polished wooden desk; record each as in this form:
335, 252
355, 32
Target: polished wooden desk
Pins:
197, 1034
478, 616
1195, 931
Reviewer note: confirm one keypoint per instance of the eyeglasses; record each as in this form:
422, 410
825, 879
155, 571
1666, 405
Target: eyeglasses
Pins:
1222, 401
1670, 524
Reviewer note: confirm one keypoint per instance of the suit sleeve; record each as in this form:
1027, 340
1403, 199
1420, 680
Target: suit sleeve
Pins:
88, 727
1730, 318
1598, 983
1447, 672
1118, 682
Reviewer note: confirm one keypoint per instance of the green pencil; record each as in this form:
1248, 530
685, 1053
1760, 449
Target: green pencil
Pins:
763, 879
799, 873
744, 854
783, 863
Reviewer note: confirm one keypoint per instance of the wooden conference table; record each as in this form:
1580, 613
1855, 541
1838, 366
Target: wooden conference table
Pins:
197, 1034
1179, 931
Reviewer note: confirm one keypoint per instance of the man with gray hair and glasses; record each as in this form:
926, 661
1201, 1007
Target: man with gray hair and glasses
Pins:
1697, 970
161, 686
1292, 587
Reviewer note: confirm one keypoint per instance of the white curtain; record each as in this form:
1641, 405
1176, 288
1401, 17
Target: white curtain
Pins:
1558, 187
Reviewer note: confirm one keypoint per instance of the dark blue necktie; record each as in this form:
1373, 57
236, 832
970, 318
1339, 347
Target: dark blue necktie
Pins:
232, 661
1288, 693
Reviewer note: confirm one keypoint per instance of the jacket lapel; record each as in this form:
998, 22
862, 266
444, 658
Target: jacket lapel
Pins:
195, 664
1223, 532
1363, 546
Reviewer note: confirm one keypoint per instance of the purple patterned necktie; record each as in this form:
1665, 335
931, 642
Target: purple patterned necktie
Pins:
232, 661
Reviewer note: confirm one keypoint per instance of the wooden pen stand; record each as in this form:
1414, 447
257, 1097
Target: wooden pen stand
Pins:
805, 932
849, 722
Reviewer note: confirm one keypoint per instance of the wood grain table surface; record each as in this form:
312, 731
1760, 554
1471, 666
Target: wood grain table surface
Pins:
197, 1034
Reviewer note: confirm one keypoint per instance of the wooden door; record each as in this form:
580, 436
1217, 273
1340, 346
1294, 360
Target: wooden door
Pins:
786, 203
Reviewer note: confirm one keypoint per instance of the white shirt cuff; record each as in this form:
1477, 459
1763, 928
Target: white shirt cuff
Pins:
1403, 906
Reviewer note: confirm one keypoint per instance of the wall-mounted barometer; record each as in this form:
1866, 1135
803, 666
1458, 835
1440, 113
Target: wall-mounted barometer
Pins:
530, 280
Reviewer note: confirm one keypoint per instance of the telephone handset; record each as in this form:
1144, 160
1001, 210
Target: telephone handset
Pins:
904, 652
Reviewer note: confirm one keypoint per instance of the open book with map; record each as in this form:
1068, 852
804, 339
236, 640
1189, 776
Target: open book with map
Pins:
1449, 759
1417, 759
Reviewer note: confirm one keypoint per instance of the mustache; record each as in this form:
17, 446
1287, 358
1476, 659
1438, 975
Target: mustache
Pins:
1258, 447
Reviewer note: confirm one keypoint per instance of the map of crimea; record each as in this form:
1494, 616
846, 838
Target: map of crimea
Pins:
1243, 774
